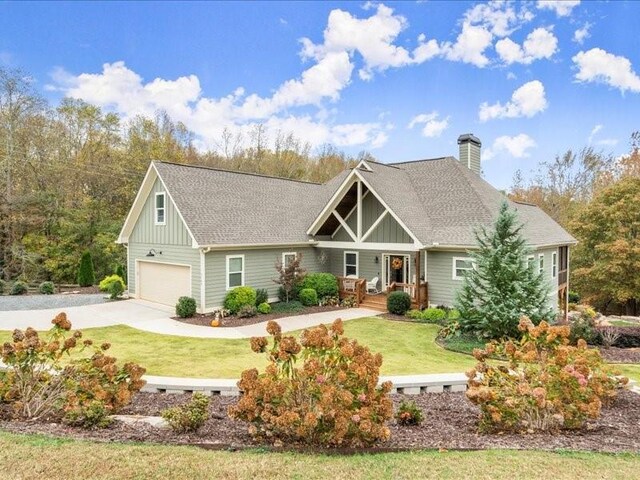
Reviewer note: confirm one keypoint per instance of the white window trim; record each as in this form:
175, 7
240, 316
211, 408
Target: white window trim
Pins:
284, 256
164, 208
540, 268
531, 259
453, 266
229, 257
344, 263
554, 264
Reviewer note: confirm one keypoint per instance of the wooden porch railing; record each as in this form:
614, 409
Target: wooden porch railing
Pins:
352, 287
410, 288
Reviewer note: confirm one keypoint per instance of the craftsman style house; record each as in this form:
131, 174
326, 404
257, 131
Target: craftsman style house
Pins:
200, 231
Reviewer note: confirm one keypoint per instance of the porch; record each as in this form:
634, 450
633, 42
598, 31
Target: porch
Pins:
352, 286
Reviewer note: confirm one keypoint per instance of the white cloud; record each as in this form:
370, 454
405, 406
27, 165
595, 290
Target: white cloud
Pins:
511, 76
602, 142
594, 131
499, 18
517, 146
581, 34
597, 65
526, 101
433, 125
562, 8
469, 46
540, 43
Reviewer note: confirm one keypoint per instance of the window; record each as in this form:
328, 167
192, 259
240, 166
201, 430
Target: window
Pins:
288, 257
531, 261
554, 264
541, 263
350, 263
460, 266
160, 209
235, 271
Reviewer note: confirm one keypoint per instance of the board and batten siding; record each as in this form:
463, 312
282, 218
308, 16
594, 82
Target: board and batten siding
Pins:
259, 270
388, 231
172, 239
443, 287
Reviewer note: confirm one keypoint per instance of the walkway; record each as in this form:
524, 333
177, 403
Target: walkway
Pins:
155, 318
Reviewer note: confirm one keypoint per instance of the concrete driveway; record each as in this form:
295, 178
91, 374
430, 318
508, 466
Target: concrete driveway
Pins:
156, 318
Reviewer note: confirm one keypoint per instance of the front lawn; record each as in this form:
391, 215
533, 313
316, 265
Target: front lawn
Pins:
35, 456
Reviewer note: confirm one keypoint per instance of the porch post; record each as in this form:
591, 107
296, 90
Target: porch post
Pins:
417, 273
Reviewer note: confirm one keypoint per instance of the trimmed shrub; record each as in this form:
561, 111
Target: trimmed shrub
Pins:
18, 288
189, 417
414, 314
287, 307
86, 274
325, 284
264, 308
331, 399
112, 284
398, 302
262, 296
3, 286
574, 297
239, 297
121, 272
583, 326
409, 413
47, 288
453, 315
547, 385
308, 297
433, 315
247, 311
186, 307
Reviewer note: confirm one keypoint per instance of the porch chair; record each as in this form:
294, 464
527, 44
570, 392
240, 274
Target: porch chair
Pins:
372, 286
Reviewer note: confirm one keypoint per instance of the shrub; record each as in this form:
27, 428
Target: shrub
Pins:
547, 384
47, 288
582, 326
453, 315
287, 307
289, 276
262, 296
49, 377
186, 307
414, 314
627, 337
18, 288
308, 297
608, 336
574, 297
86, 274
120, 271
349, 302
409, 413
325, 284
332, 399
238, 297
189, 417
247, 311
264, 308
112, 284
331, 301
398, 302
3, 286
433, 315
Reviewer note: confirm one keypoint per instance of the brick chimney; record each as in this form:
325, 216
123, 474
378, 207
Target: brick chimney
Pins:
470, 151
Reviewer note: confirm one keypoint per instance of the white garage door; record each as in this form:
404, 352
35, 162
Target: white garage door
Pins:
163, 283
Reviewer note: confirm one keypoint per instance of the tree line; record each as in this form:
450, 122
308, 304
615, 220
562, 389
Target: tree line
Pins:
70, 172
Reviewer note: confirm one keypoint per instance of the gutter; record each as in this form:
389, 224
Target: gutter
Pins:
232, 246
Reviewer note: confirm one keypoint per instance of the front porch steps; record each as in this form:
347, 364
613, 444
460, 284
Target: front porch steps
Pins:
375, 302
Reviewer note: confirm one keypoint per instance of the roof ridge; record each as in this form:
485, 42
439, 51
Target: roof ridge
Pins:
421, 160
391, 165
241, 172
480, 197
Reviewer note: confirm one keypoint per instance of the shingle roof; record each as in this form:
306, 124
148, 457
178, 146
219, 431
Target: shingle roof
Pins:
440, 201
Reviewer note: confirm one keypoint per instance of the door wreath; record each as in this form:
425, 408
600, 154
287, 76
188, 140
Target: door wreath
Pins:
396, 263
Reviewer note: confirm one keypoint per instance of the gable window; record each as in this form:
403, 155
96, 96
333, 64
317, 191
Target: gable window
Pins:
554, 264
541, 263
160, 209
288, 257
350, 263
235, 271
461, 265
531, 261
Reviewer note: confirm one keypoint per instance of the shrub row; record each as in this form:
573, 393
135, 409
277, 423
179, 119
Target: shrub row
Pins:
436, 315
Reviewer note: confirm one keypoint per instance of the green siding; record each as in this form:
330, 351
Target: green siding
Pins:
173, 232
259, 270
388, 231
470, 157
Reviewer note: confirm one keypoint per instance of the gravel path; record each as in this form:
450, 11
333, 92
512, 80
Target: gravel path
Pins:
42, 302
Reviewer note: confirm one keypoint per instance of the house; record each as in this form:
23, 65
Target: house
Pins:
200, 231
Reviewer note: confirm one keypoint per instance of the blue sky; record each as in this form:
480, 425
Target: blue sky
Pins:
400, 79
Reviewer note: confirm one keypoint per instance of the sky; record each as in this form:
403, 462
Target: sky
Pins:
401, 80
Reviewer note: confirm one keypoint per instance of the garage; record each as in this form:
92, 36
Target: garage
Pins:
163, 283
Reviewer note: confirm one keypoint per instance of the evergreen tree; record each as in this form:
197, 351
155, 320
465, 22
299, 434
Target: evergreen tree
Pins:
502, 286
121, 273
86, 275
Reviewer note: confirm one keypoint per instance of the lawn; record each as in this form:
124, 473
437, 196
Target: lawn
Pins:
407, 348
42, 457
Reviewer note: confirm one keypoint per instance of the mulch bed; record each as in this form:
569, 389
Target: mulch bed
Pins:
83, 290
396, 318
450, 423
620, 355
233, 321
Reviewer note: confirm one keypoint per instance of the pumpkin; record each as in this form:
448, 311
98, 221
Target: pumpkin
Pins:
215, 322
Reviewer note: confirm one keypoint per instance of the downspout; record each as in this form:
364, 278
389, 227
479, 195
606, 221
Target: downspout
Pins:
203, 283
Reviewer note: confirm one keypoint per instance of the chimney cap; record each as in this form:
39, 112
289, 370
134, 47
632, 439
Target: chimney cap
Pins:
469, 137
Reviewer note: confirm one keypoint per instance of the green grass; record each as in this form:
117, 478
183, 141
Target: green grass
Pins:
36, 456
624, 323
462, 343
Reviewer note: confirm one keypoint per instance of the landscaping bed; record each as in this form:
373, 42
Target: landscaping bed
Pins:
236, 321
620, 355
450, 423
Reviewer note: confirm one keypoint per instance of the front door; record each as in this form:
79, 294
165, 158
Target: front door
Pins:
395, 269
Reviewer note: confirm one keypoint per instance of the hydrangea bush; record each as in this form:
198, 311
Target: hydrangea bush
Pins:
331, 399
547, 384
